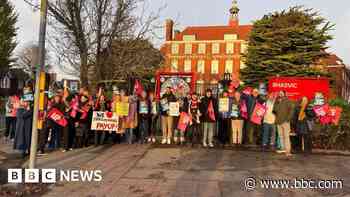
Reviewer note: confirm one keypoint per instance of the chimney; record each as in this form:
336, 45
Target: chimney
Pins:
169, 28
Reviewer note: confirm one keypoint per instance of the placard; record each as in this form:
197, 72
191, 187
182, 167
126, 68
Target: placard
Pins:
258, 113
57, 116
234, 111
154, 108
223, 104
122, 108
143, 108
165, 104
174, 109
104, 121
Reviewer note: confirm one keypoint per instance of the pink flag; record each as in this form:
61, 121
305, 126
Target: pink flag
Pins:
258, 113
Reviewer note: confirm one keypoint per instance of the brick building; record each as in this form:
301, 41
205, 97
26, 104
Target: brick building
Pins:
207, 51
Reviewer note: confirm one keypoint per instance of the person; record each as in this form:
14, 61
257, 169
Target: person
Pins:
252, 129
283, 110
101, 105
208, 109
82, 122
184, 105
11, 110
130, 122
269, 127
301, 124
56, 129
236, 119
166, 119
194, 128
117, 137
24, 122
155, 109
224, 121
144, 109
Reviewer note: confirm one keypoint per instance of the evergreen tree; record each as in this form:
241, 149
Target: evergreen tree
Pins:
286, 44
8, 19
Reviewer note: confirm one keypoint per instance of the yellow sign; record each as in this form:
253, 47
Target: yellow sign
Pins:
122, 108
223, 105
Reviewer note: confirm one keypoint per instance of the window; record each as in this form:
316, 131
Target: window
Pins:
201, 66
215, 48
229, 66
243, 48
230, 48
200, 87
230, 37
188, 48
242, 64
201, 48
189, 37
175, 48
215, 67
174, 65
188, 66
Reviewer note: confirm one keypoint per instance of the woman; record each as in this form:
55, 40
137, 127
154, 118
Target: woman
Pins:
23, 127
11, 110
301, 123
236, 119
56, 129
144, 109
101, 105
194, 128
155, 110
130, 121
224, 119
83, 121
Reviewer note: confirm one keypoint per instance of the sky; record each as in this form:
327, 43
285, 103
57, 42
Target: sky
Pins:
215, 12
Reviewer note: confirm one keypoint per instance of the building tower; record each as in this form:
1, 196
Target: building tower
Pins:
234, 21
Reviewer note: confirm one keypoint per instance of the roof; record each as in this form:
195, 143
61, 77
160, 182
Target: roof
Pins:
332, 60
215, 32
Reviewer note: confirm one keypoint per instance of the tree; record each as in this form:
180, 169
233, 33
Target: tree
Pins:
83, 29
28, 58
286, 43
133, 57
8, 19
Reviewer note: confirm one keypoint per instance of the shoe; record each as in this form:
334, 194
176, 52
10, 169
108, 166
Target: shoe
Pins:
149, 140
164, 141
211, 145
175, 140
63, 151
280, 151
205, 144
71, 149
182, 139
153, 140
168, 141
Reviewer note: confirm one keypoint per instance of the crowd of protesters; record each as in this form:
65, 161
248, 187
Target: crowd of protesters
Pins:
207, 125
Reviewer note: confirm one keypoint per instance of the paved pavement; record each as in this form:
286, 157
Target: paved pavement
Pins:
145, 171
157, 171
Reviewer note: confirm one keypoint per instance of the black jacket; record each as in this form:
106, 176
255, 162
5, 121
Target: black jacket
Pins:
204, 109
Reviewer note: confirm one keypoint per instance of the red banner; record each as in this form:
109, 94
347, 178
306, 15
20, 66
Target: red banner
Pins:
297, 87
57, 116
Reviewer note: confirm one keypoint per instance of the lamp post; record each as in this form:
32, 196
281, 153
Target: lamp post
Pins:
38, 80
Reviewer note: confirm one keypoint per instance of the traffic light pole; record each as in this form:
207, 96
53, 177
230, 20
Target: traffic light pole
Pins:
39, 69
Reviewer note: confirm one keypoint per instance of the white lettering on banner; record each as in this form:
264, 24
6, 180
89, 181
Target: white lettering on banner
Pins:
284, 85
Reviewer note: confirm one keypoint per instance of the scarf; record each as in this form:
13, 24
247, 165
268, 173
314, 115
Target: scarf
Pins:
303, 106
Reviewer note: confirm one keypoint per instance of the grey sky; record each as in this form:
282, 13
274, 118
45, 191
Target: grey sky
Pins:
215, 12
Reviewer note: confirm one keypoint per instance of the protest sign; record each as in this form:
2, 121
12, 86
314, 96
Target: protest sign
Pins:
122, 108
184, 121
223, 104
335, 113
244, 110
104, 121
174, 109
258, 113
143, 108
234, 111
165, 104
57, 116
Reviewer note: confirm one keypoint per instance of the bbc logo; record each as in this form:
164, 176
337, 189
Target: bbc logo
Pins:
31, 176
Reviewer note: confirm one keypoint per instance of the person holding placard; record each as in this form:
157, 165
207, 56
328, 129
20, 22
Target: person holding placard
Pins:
168, 100
225, 103
144, 109
209, 111
236, 119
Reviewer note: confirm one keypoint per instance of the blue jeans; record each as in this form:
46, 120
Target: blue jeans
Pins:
129, 134
144, 128
55, 136
269, 134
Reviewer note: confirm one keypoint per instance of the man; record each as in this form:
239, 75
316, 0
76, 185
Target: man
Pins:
166, 119
283, 110
253, 130
208, 109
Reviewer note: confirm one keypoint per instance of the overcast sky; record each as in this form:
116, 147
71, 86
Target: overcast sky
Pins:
215, 12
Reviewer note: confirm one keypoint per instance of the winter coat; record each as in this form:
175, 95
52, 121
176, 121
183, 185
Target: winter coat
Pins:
204, 104
251, 102
302, 127
23, 129
283, 110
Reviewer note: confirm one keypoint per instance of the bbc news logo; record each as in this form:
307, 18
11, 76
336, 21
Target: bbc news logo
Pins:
52, 176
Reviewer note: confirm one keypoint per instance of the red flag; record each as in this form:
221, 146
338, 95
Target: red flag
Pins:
211, 111
57, 116
138, 89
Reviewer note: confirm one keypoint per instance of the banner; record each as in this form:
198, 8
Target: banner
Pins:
58, 117
174, 109
224, 104
258, 113
297, 87
122, 108
184, 121
104, 121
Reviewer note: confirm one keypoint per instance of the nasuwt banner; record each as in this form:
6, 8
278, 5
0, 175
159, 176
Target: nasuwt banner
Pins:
297, 87
104, 121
